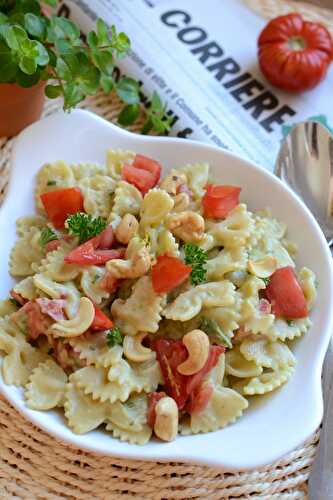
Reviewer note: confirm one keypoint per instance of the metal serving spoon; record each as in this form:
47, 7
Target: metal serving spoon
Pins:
305, 162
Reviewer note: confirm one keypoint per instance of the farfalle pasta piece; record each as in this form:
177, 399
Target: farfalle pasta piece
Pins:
156, 205
115, 159
91, 284
46, 386
224, 407
26, 253
266, 382
82, 412
227, 318
267, 226
140, 437
93, 350
19, 363
7, 307
77, 325
119, 381
137, 261
11, 337
160, 241
130, 415
141, 311
127, 199
197, 177
307, 279
52, 176
238, 366
26, 288
54, 267
67, 291
228, 260
97, 191
233, 231
84, 170
189, 304
216, 375
253, 319
266, 353
288, 330
271, 247
24, 224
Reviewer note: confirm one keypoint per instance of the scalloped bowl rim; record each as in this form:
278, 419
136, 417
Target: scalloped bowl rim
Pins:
270, 428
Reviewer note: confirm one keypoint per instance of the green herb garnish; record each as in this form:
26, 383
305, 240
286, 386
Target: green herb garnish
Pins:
196, 258
46, 236
290, 322
266, 281
214, 331
51, 183
14, 302
114, 337
85, 226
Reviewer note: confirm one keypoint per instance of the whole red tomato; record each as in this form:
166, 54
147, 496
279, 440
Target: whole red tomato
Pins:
294, 54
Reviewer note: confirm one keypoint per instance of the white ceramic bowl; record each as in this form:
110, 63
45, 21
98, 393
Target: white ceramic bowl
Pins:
274, 425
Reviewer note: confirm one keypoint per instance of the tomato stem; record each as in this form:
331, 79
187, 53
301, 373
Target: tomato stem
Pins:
297, 43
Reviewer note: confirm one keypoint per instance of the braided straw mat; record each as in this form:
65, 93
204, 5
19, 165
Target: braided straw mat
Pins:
33, 465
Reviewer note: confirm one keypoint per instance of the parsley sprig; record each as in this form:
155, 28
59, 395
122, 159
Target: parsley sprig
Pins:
196, 258
47, 235
114, 337
84, 226
214, 331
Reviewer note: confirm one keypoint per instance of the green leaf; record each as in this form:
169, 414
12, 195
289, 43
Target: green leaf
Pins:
102, 32
47, 235
35, 25
52, 57
106, 83
3, 18
215, 332
63, 70
104, 61
14, 36
53, 91
65, 28
85, 226
64, 47
43, 57
92, 39
8, 64
156, 102
51, 3
128, 90
73, 94
25, 80
25, 6
129, 114
147, 126
88, 77
28, 65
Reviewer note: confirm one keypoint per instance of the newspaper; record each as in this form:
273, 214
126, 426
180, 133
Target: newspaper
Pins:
201, 57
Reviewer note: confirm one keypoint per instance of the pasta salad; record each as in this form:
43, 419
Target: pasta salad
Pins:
149, 305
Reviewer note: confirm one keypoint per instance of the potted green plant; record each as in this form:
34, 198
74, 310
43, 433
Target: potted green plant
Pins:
46, 54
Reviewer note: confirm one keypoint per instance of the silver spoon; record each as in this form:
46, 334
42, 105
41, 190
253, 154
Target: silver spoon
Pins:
305, 162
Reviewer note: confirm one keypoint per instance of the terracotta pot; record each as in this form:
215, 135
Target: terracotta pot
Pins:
19, 107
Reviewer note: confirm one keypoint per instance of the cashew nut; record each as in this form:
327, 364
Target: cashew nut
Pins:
126, 229
263, 268
197, 345
77, 325
182, 202
135, 351
173, 181
187, 226
166, 422
136, 264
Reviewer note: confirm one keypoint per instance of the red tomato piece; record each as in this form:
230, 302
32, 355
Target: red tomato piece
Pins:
219, 200
148, 164
286, 295
141, 179
169, 355
199, 398
106, 238
61, 203
86, 254
168, 272
52, 245
294, 54
109, 283
101, 321
37, 322
153, 399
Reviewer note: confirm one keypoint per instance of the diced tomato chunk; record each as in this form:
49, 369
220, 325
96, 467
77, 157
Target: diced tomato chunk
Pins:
106, 238
52, 245
153, 399
141, 179
286, 295
168, 273
101, 321
61, 203
199, 398
86, 254
37, 322
148, 164
219, 200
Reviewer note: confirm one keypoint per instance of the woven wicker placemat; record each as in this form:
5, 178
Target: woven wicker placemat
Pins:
33, 465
